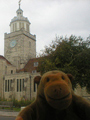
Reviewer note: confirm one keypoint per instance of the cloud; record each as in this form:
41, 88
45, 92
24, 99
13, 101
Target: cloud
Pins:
48, 18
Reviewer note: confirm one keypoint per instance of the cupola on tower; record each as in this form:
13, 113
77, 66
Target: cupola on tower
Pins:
19, 22
19, 44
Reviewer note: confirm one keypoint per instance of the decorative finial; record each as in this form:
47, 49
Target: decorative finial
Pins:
19, 3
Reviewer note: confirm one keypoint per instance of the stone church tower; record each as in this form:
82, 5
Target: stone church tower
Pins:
19, 44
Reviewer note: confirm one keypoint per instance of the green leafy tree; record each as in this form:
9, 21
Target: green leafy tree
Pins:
70, 55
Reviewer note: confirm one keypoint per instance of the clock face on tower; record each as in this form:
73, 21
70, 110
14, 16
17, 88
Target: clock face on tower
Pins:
13, 43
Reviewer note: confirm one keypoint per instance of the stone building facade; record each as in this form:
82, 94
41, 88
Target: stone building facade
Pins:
5, 68
18, 66
18, 84
82, 92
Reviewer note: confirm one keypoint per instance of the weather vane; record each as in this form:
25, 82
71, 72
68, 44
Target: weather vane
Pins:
19, 3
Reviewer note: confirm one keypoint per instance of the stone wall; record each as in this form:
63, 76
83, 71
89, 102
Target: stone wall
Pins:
25, 88
24, 49
5, 68
82, 92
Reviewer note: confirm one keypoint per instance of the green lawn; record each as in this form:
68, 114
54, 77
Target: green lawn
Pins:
14, 109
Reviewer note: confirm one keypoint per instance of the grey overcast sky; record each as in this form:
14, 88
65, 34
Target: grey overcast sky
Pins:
48, 18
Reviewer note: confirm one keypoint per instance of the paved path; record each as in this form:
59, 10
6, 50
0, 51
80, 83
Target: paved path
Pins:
4, 113
7, 118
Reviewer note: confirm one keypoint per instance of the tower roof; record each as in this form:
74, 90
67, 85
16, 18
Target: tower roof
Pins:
19, 10
19, 16
19, 21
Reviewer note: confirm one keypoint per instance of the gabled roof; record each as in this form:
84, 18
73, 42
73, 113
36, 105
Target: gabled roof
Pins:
29, 67
2, 57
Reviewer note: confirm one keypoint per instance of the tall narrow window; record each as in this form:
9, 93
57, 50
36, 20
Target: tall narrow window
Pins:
15, 26
11, 71
20, 25
5, 85
5, 69
23, 84
8, 85
17, 85
27, 27
20, 85
34, 87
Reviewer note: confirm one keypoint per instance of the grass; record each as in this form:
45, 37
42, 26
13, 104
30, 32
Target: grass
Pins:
17, 104
16, 109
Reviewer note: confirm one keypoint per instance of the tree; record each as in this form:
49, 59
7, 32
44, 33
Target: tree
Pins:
70, 55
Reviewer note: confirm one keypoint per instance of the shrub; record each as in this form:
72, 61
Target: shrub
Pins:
17, 103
